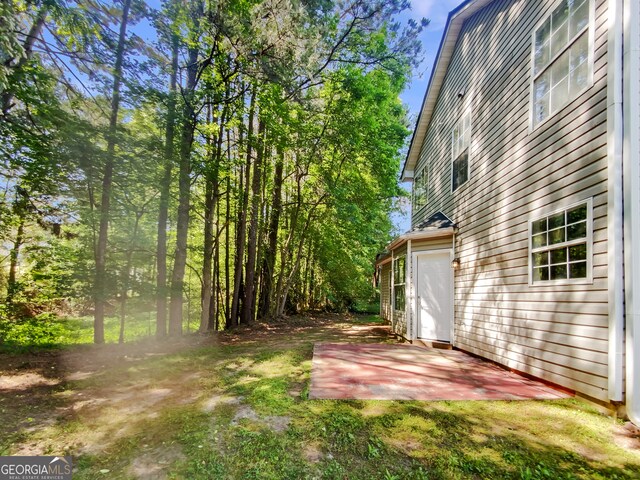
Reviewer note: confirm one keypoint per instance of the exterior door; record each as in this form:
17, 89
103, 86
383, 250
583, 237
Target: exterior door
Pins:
434, 296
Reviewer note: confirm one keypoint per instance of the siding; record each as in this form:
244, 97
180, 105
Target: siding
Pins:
385, 291
399, 321
435, 244
558, 333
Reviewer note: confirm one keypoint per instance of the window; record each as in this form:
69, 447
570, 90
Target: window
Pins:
560, 246
399, 279
561, 58
460, 141
420, 190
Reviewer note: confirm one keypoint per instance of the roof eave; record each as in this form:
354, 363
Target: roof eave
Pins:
420, 235
447, 45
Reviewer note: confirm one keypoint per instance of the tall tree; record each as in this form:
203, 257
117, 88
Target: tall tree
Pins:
100, 296
248, 306
241, 233
188, 126
276, 202
165, 188
269, 259
18, 54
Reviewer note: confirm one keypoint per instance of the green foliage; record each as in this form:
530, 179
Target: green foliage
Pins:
40, 331
326, 77
48, 331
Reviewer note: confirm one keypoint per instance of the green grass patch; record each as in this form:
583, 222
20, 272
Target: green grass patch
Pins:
368, 319
212, 412
47, 331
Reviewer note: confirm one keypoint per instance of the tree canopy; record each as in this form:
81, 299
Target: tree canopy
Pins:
210, 162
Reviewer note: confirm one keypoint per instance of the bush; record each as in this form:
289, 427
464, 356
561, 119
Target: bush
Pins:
40, 331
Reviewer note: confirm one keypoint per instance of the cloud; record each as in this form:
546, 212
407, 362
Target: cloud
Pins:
422, 7
434, 10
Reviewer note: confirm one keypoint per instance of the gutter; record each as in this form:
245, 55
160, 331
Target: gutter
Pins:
615, 225
631, 163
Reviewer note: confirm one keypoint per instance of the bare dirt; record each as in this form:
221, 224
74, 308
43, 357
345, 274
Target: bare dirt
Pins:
41, 388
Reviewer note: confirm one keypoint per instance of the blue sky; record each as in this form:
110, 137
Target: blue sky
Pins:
436, 11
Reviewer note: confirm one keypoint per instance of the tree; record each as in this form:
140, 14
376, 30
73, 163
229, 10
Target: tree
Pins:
107, 176
172, 38
188, 126
258, 141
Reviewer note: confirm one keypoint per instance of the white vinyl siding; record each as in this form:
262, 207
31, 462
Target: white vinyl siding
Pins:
418, 246
519, 175
561, 58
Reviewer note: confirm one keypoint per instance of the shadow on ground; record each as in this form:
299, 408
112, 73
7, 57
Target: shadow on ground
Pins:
235, 405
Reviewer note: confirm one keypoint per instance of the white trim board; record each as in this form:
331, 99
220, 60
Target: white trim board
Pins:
414, 263
631, 165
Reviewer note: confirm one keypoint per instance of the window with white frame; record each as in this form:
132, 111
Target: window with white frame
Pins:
560, 245
460, 142
420, 190
399, 281
561, 57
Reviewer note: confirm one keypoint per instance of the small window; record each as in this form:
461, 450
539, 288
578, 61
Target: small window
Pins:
560, 246
561, 58
399, 279
460, 142
420, 190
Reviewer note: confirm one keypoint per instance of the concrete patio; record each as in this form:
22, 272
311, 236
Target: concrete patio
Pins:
408, 372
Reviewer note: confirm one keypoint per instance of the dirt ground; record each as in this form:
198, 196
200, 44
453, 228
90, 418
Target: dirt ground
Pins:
202, 406
41, 388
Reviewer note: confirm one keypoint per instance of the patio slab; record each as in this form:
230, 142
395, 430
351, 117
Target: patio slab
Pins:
408, 372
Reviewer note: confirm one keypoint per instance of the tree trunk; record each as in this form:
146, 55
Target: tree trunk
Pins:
214, 306
292, 274
207, 253
127, 276
269, 260
242, 220
216, 294
34, 32
227, 240
248, 306
184, 186
165, 190
14, 255
100, 294
212, 192
205, 294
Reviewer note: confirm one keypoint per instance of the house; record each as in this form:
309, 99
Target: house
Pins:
525, 162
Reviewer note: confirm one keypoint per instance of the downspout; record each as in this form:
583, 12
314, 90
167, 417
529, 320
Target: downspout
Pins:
408, 292
631, 161
615, 227
453, 290
392, 300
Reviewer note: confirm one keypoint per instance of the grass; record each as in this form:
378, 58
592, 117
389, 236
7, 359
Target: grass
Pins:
237, 407
51, 332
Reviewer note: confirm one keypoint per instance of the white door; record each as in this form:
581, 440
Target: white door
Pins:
434, 296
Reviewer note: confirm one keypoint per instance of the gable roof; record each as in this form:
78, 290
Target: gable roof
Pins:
436, 226
436, 221
447, 46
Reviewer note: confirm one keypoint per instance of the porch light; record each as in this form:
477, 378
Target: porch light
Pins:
455, 263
